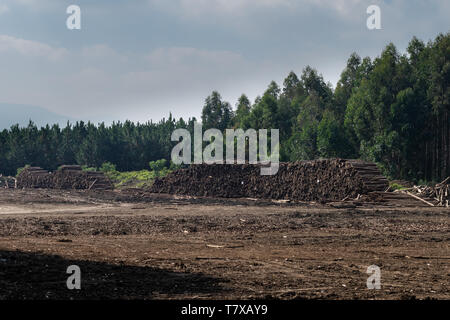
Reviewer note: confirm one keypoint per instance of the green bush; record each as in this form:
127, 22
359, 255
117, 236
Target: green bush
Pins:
108, 167
86, 168
174, 166
19, 170
159, 167
396, 186
135, 179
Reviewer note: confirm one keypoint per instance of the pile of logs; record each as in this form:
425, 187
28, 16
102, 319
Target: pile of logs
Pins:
319, 180
67, 177
34, 177
72, 177
442, 191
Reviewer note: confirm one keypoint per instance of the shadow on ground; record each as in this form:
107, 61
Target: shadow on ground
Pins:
41, 276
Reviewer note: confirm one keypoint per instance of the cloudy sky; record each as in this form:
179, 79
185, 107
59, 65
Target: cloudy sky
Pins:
141, 59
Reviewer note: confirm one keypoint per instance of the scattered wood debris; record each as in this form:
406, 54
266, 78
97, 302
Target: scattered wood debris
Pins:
437, 196
7, 182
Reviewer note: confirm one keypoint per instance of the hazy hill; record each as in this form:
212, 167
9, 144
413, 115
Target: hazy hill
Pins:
11, 114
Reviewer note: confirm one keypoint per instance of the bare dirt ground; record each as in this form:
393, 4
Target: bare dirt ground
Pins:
135, 245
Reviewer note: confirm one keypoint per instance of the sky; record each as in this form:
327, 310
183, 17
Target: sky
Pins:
141, 59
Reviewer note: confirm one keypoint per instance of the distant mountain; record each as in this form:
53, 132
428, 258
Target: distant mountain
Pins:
11, 114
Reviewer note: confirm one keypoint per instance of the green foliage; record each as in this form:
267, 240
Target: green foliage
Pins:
19, 170
216, 113
242, 111
132, 179
174, 166
138, 178
393, 110
396, 186
392, 118
331, 139
130, 146
87, 168
159, 167
108, 167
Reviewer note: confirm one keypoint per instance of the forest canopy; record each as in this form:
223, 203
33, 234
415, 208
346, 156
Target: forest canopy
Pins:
393, 110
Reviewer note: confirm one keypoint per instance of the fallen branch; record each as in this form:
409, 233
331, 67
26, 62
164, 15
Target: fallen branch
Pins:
92, 184
214, 246
444, 182
420, 199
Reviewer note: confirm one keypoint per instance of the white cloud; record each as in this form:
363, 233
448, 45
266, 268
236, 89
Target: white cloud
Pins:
3, 9
193, 8
193, 57
230, 5
28, 2
342, 7
241, 7
101, 54
30, 48
31, 5
202, 45
98, 50
97, 81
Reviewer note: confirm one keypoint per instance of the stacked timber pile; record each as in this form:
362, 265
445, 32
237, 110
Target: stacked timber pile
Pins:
72, 177
99, 181
437, 196
67, 177
442, 193
34, 177
332, 179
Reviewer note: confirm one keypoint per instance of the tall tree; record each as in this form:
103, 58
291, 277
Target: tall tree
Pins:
216, 113
242, 111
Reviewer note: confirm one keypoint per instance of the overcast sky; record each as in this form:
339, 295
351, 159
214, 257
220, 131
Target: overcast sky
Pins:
141, 59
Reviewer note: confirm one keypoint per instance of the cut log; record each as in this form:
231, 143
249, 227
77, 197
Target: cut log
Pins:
92, 184
420, 199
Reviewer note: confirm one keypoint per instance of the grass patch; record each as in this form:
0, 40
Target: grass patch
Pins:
136, 179
132, 179
396, 186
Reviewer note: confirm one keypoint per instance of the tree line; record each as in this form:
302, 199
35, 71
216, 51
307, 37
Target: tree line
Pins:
393, 110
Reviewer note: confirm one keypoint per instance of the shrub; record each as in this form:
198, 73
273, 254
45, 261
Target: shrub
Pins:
108, 167
396, 186
159, 167
86, 168
19, 170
